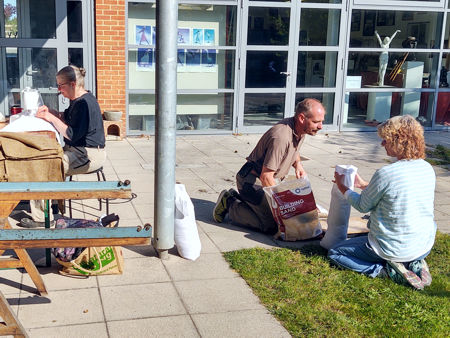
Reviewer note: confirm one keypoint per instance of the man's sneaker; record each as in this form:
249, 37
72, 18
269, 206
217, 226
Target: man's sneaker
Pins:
420, 268
29, 223
221, 208
401, 275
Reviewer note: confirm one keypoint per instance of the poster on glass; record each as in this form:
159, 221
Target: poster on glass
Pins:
209, 37
144, 59
197, 36
184, 37
209, 60
143, 35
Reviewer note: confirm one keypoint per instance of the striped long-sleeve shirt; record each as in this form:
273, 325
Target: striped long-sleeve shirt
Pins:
400, 198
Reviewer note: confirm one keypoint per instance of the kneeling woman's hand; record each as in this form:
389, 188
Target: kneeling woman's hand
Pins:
339, 180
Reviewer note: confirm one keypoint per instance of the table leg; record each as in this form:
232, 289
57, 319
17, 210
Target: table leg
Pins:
6, 207
48, 257
13, 326
29, 266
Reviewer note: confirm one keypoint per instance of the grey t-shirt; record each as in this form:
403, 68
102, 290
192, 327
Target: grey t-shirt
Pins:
277, 148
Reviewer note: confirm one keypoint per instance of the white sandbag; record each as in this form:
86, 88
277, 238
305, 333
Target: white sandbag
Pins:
339, 211
186, 233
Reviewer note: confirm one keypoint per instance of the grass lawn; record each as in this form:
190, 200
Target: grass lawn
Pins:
312, 298
438, 155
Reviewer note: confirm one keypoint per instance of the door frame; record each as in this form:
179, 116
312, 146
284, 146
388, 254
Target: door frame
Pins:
242, 59
293, 50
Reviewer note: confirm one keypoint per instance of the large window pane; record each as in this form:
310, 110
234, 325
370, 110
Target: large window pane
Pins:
30, 19
12, 68
423, 28
404, 70
316, 69
263, 109
268, 26
37, 67
447, 33
327, 100
209, 24
205, 69
194, 112
319, 27
199, 25
10, 19
443, 109
74, 21
197, 69
324, 1
43, 67
266, 69
76, 57
369, 109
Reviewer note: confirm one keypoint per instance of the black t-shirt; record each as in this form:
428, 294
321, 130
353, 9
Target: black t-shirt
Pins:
85, 123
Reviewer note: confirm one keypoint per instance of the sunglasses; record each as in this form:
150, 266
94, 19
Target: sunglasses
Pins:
62, 84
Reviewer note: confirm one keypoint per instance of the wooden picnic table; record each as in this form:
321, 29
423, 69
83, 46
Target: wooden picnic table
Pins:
11, 193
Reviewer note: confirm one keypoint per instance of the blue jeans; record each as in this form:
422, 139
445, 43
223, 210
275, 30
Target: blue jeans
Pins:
356, 254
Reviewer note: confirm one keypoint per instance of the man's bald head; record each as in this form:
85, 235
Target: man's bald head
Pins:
307, 106
309, 116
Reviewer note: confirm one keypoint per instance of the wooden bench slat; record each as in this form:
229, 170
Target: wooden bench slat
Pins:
60, 195
75, 243
61, 186
11, 191
72, 233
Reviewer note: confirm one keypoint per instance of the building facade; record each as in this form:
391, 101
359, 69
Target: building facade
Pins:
242, 64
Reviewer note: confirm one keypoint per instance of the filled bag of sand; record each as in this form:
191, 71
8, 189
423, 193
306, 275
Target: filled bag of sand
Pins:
339, 211
185, 232
294, 209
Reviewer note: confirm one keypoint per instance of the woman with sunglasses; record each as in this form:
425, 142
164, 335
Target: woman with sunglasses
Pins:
400, 199
82, 127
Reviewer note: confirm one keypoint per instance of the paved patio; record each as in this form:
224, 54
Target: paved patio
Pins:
176, 297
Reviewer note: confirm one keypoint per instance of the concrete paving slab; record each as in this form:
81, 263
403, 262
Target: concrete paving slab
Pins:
11, 281
207, 245
138, 251
56, 282
217, 295
141, 301
239, 324
180, 269
64, 307
170, 326
97, 330
137, 271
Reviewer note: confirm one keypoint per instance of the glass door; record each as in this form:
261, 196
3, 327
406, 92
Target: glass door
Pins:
38, 37
265, 64
290, 51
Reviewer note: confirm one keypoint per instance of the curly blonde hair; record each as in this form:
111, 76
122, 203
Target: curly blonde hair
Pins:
405, 136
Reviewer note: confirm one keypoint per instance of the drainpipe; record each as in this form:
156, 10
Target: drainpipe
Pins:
165, 134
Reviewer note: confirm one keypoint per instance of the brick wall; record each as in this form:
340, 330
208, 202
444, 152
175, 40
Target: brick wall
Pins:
110, 54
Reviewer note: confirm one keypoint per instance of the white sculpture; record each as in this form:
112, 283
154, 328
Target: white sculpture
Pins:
384, 55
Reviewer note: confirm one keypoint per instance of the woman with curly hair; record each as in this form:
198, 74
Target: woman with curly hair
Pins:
400, 199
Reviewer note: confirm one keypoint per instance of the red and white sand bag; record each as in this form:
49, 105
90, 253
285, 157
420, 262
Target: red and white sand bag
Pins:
294, 209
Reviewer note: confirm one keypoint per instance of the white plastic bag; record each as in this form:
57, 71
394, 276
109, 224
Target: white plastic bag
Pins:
294, 209
339, 212
186, 234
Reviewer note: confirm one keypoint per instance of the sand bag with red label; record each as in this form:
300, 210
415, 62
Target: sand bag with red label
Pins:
294, 209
